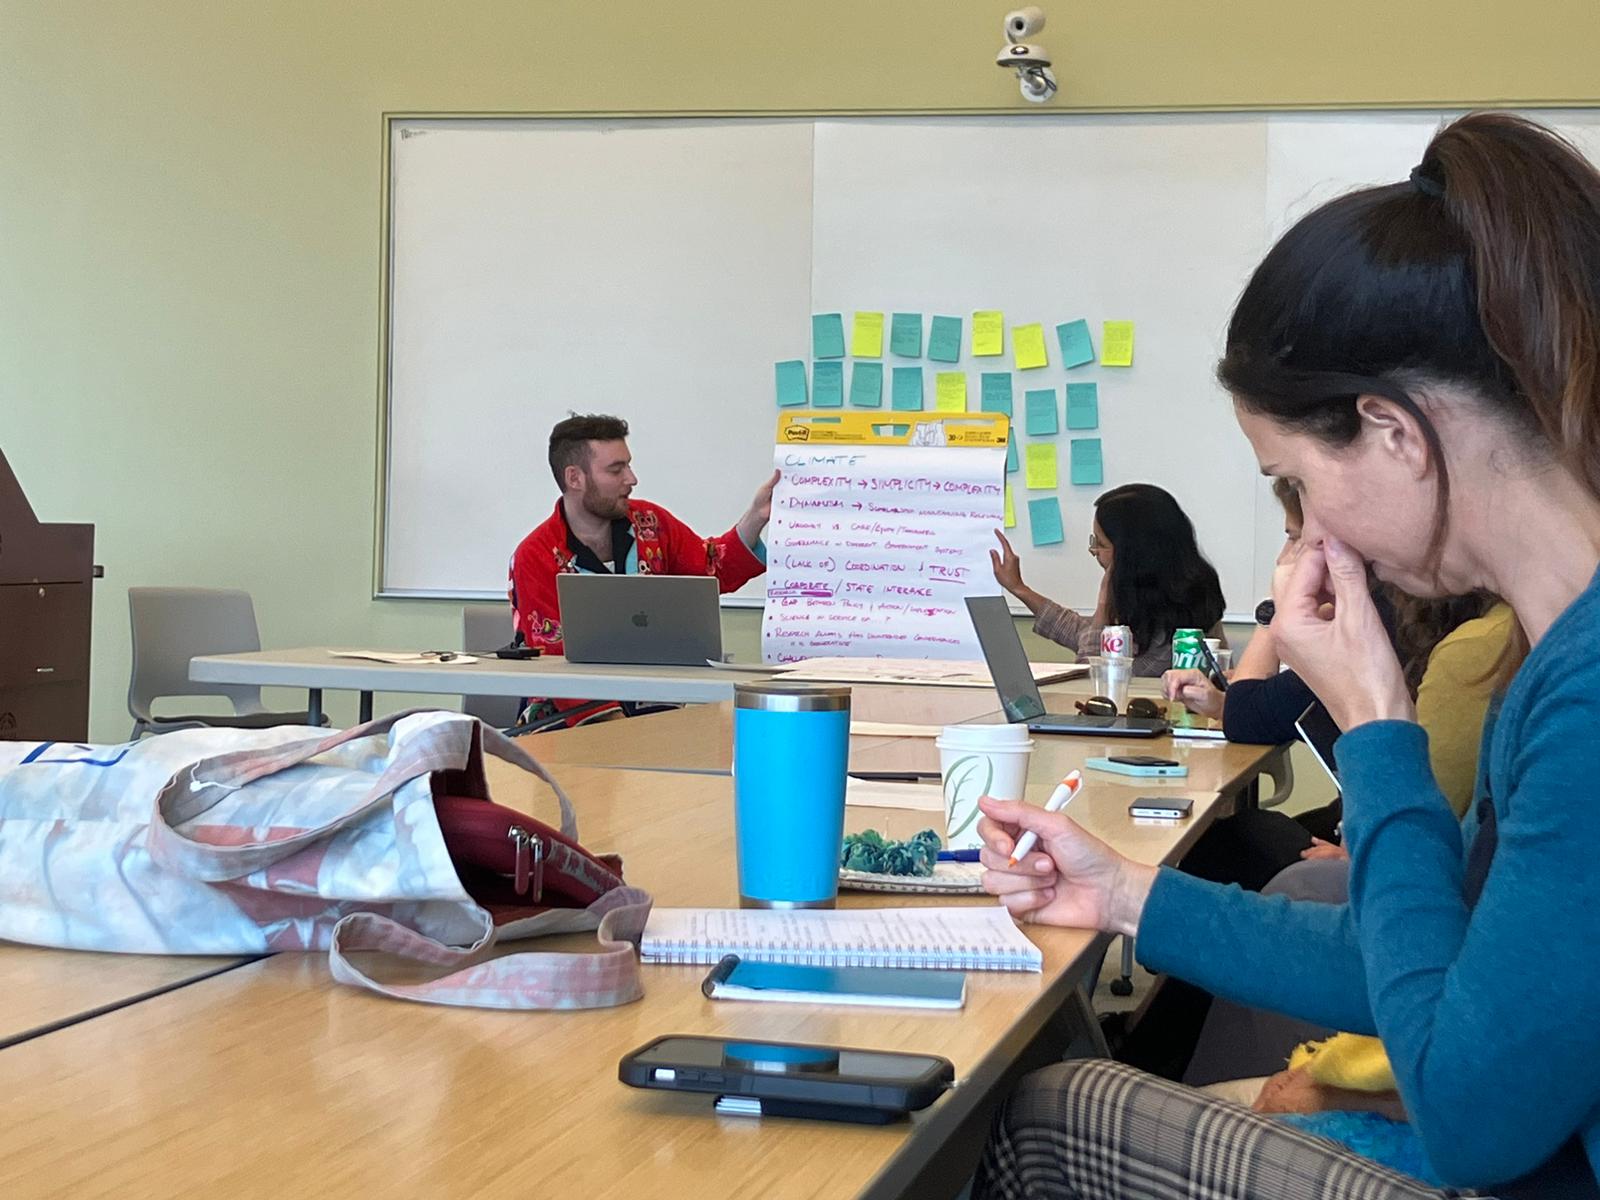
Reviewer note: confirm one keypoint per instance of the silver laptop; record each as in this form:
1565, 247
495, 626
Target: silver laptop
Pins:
1019, 694
655, 620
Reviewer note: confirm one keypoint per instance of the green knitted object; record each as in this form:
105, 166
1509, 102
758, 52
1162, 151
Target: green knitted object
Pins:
872, 852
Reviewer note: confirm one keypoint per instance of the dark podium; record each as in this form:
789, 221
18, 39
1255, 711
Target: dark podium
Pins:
46, 582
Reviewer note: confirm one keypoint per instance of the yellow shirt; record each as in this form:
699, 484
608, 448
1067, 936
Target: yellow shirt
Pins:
1454, 696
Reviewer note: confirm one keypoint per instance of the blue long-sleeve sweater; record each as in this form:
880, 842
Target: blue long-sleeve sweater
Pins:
1490, 1013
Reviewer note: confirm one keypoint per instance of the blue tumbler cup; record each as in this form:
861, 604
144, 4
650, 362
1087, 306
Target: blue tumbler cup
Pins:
790, 743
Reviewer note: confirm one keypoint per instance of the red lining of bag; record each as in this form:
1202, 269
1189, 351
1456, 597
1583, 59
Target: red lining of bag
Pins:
477, 836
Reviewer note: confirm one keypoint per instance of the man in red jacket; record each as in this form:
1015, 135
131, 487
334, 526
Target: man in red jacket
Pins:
598, 528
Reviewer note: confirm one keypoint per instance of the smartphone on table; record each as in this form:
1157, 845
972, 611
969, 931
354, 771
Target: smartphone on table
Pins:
789, 1079
1145, 765
735, 978
1161, 808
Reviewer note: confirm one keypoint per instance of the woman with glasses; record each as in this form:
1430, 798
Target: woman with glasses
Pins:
1155, 579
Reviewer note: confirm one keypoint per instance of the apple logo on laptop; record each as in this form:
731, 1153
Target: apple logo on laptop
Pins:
641, 619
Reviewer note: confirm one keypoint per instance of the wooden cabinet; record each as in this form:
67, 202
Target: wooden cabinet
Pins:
46, 602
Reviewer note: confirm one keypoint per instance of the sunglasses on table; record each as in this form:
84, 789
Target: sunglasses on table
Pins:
1104, 706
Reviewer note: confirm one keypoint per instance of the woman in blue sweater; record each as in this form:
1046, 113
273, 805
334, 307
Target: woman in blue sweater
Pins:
1423, 361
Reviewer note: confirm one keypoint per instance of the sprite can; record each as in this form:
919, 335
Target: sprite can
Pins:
1186, 649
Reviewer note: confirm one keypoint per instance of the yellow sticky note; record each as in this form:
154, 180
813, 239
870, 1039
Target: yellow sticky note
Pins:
1011, 509
950, 391
1116, 344
1039, 465
866, 335
1027, 343
988, 334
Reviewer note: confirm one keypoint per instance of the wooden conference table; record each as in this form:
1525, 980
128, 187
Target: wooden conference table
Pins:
270, 1080
315, 669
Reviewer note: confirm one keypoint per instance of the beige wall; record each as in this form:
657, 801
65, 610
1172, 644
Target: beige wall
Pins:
189, 216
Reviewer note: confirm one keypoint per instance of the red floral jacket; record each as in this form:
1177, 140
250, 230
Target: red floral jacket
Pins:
665, 545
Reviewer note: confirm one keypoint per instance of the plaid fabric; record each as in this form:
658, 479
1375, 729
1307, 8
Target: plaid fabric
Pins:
1098, 1130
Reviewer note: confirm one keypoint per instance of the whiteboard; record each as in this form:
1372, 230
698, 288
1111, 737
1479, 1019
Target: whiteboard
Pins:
658, 268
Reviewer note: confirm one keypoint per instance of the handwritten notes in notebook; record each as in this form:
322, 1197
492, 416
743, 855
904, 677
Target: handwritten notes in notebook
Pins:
968, 937
873, 549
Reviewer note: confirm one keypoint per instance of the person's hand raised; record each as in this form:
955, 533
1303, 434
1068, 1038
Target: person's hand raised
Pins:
1007, 566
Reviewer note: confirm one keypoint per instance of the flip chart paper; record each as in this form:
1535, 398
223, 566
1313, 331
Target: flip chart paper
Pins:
1011, 509
791, 384
872, 550
944, 339
1044, 521
907, 394
827, 335
1083, 406
1086, 464
866, 337
988, 334
950, 391
1040, 460
1076, 346
827, 385
996, 393
866, 385
1027, 344
1116, 344
1041, 410
905, 335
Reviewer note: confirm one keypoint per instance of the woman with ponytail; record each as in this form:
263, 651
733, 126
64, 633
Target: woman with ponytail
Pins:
1420, 361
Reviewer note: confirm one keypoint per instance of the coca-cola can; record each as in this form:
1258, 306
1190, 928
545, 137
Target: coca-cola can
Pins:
1116, 640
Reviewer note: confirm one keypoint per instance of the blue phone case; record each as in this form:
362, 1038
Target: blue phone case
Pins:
886, 986
1116, 768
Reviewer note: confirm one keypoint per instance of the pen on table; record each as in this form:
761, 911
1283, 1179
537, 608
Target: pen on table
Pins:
1217, 677
1065, 790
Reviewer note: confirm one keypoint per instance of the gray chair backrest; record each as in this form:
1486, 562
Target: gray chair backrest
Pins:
171, 626
488, 627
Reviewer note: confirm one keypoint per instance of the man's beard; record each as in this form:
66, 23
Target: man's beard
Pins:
606, 510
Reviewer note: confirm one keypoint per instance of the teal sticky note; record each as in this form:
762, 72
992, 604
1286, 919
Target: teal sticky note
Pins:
996, 395
1041, 412
827, 335
827, 385
791, 384
905, 335
944, 339
907, 389
1076, 346
1083, 406
1044, 521
1086, 464
1012, 465
866, 385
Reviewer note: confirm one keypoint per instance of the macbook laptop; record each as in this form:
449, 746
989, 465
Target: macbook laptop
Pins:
1019, 694
655, 620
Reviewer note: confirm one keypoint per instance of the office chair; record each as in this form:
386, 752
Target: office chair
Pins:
171, 626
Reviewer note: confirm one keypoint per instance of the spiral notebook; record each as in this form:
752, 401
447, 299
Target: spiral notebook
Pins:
971, 938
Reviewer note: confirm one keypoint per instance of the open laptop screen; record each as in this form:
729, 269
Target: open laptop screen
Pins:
1008, 662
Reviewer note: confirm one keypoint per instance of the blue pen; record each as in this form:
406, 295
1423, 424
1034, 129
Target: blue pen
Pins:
958, 856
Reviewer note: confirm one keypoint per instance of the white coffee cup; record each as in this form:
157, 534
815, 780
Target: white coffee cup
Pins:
979, 760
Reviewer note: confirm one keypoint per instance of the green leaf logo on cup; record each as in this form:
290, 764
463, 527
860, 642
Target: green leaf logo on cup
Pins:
976, 761
966, 780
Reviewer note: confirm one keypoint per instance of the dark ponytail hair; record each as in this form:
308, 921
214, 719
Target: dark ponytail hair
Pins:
1480, 272
1159, 579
